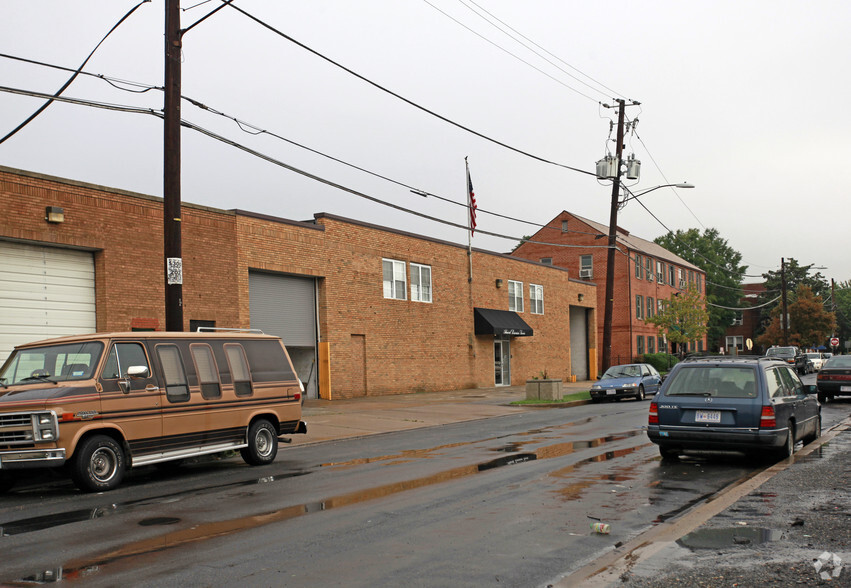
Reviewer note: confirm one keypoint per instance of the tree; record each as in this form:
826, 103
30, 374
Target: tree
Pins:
710, 252
683, 317
841, 304
523, 239
795, 276
809, 323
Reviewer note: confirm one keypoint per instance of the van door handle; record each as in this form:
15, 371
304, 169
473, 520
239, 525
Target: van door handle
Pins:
152, 388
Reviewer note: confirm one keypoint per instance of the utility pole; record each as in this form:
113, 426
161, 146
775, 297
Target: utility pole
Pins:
173, 262
610, 253
784, 319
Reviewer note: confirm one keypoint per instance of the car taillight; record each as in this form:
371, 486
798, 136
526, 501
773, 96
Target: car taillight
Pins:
653, 418
767, 419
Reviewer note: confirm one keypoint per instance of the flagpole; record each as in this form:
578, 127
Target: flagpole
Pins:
469, 188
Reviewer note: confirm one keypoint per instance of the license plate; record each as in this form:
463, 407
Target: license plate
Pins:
611, 391
707, 416
845, 388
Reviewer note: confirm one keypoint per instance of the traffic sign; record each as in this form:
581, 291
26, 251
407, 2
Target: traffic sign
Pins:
834, 342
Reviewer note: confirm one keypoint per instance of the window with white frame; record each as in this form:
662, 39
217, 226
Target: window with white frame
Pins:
394, 279
672, 273
420, 282
660, 271
536, 299
638, 267
586, 267
639, 307
650, 307
515, 296
649, 267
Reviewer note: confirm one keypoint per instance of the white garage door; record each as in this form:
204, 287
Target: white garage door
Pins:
44, 292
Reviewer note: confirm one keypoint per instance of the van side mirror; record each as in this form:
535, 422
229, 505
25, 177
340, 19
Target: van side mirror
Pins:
137, 371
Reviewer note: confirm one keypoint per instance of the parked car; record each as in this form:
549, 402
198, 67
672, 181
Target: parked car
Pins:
746, 404
834, 379
791, 355
634, 380
817, 360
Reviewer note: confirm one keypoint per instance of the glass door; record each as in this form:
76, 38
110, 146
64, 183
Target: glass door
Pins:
502, 362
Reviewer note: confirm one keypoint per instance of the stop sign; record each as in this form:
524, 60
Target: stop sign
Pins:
834, 342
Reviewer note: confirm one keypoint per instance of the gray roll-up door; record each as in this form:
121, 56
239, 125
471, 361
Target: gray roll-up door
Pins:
45, 292
284, 306
579, 342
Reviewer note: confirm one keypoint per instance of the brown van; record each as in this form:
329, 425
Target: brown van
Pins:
106, 402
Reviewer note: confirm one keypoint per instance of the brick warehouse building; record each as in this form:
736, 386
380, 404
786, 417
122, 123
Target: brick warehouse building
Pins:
363, 309
646, 275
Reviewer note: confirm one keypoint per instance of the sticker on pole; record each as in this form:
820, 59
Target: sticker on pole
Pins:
174, 271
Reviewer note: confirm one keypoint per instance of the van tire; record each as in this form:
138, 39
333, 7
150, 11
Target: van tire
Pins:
6, 482
98, 464
262, 443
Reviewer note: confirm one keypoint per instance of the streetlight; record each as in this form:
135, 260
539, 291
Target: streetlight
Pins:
610, 261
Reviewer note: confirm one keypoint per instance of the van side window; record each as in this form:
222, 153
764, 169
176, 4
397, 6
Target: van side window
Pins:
176, 388
208, 373
121, 357
239, 369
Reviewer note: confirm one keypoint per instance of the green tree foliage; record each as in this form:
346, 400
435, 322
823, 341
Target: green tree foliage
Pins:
523, 239
810, 324
795, 276
682, 318
710, 252
841, 302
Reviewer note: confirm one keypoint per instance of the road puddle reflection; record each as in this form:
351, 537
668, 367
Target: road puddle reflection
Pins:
728, 536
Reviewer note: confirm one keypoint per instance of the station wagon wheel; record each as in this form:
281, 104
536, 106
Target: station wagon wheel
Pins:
669, 454
815, 434
788, 447
98, 464
262, 443
640, 394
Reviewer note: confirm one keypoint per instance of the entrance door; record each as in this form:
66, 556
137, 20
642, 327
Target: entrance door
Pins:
502, 362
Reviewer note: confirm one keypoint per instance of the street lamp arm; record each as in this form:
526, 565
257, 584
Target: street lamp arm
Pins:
642, 193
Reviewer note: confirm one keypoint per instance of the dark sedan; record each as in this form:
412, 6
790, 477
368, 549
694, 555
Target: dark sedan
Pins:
834, 379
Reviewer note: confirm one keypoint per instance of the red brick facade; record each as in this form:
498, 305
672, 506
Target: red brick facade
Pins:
377, 345
567, 238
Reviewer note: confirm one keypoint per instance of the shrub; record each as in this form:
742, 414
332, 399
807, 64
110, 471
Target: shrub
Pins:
663, 362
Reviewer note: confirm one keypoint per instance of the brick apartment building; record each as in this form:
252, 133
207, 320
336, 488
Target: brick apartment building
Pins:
745, 323
646, 275
363, 309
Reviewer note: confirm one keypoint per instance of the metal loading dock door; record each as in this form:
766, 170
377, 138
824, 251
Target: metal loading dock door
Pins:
286, 306
45, 292
579, 342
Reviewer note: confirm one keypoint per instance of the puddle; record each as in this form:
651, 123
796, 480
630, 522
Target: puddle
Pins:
154, 521
729, 537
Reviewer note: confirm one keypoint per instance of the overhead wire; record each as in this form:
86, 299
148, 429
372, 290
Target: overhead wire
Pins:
402, 98
44, 106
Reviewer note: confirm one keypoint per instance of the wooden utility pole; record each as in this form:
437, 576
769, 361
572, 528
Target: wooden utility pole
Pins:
784, 319
173, 262
610, 254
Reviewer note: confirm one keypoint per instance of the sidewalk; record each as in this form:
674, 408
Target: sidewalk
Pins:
329, 420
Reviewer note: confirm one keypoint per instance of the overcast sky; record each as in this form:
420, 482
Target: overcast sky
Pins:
744, 99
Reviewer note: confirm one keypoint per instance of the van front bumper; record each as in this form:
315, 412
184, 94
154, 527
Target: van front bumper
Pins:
31, 458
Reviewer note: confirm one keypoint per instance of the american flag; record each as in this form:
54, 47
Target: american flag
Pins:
471, 201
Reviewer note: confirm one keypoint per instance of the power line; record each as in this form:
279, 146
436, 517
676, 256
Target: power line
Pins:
402, 98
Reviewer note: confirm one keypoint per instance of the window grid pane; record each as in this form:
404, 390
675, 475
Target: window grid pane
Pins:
515, 296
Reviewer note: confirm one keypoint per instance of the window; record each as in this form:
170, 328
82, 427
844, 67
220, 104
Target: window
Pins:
515, 296
660, 344
123, 356
536, 299
547, 260
690, 277
639, 347
639, 307
239, 369
176, 388
651, 344
734, 342
420, 282
638, 267
672, 272
650, 307
648, 263
394, 278
700, 345
660, 272
586, 266
564, 226
774, 382
737, 318
208, 373
681, 275
697, 281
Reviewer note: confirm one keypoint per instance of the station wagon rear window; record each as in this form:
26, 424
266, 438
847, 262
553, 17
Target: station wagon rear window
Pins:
722, 382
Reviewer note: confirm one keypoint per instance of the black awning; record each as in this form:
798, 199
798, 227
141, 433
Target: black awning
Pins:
500, 322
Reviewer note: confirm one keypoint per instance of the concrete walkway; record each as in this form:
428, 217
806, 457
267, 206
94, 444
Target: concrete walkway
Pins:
328, 420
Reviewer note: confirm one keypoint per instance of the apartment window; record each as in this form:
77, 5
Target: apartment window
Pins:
697, 281
735, 342
648, 264
660, 306
564, 226
586, 266
639, 307
394, 279
651, 344
660, 344
650, 307
536, 299
420, 282
681, 275
547, 260
639, 347
660, 272
672, 274
737, 318
638, 267
515, 296
690, 277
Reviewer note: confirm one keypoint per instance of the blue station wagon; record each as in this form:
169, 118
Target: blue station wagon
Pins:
743, 404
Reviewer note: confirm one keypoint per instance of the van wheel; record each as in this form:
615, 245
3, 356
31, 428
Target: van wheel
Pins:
6, 482
98, 464
262, 443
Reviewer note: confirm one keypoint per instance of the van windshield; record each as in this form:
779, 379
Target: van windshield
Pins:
51, 363
719, 381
